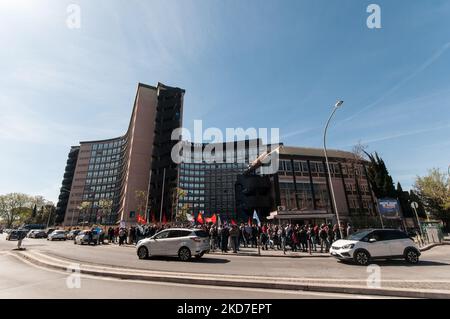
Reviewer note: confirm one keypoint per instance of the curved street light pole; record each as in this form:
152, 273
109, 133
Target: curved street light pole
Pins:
336, 106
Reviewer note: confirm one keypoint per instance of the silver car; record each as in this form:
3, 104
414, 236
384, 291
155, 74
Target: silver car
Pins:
84, 236
57, 235
181, 242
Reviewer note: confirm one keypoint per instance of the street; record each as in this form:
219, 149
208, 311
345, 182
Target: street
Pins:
23, 280
434, 264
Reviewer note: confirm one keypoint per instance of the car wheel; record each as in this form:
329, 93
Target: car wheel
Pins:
411, 256
362, 257
184, 254
143, 252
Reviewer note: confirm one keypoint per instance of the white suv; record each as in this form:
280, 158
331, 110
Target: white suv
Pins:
181, 242
369, 244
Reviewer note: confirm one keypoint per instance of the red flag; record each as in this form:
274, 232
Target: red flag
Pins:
233, 222
249, 221
141, 219
214, 219
164, 220
208, 220
199, 218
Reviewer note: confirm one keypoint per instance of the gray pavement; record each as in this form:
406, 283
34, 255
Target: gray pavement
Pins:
434, 267
23, 280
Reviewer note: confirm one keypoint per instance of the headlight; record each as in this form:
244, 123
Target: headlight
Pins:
349, 246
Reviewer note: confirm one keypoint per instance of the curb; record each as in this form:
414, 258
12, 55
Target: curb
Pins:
428, 247
216, 280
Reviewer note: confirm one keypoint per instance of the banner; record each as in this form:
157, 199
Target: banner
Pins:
389, 208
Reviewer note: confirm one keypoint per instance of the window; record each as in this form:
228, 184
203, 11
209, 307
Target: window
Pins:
162, 235
178, 233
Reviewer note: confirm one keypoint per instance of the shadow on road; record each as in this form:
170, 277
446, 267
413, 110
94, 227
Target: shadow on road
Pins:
203, 260
398, 263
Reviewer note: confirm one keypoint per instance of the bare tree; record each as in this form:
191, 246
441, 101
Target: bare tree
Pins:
359, 151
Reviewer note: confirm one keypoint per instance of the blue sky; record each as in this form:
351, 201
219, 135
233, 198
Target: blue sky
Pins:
243, 63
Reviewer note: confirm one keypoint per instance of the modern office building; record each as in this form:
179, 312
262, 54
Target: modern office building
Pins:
111, 180
103, 178
209, 183
301, 188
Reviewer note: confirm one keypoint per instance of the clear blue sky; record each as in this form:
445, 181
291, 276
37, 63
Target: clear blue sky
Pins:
243, 64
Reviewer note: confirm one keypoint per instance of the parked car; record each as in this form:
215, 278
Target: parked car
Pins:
181, 242
36, 233
15, 233
57, 235
73, 233
370, 244
83, 238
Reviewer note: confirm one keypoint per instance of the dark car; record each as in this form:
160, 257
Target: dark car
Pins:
37, 234
16, 233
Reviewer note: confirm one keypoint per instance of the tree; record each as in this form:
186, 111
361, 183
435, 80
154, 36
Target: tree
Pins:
34, 213
420, 207
434, 191
379, 178
179, 194
182, 213
404, 200
105, 206
359, 151
83, 208
15, 208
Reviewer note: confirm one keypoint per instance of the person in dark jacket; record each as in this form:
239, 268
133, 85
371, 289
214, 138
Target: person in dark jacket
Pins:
303, 238
224, 239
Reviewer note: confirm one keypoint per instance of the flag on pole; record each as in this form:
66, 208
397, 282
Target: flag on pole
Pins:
200, 218
219, 222
233, 222
214, 219
190, 217
255, 216
141, 219
249, 221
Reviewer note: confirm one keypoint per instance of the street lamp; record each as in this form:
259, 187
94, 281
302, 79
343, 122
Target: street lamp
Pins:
336, 106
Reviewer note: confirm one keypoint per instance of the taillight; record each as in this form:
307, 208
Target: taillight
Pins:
196, 239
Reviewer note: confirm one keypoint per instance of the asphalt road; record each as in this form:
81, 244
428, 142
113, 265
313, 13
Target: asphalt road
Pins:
434, 264
20, 279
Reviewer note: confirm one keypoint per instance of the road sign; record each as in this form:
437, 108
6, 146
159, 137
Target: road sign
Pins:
414, 205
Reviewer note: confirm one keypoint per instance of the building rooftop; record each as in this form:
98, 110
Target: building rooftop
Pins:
318, 152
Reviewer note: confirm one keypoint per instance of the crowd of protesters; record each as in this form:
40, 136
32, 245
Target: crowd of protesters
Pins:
305, 238
231, 237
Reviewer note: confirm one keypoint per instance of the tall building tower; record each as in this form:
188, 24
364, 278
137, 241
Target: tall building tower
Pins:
102, 182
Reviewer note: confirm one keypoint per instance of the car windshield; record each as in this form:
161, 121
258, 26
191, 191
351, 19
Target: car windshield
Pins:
359, 235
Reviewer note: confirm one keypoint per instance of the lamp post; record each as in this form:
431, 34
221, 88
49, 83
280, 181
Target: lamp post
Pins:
336, 106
